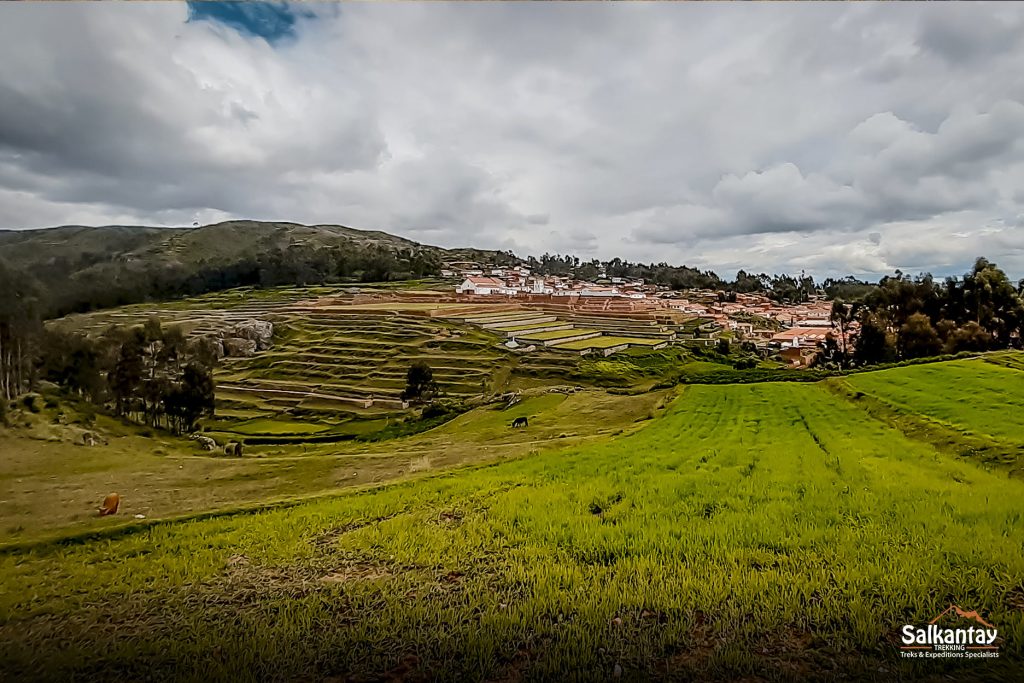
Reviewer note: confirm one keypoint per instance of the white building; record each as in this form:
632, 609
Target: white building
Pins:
484, 286
597, 290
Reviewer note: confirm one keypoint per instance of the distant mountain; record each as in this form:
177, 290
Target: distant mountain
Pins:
82, 267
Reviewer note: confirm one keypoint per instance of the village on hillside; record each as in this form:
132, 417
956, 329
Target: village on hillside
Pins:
793, 332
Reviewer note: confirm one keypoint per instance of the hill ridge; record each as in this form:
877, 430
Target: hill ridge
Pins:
80, 267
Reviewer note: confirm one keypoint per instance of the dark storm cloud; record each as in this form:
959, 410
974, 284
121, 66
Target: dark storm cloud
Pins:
832, 138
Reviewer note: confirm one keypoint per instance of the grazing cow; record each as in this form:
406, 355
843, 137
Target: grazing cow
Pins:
233, 448
207, 443
110, 504
520, 422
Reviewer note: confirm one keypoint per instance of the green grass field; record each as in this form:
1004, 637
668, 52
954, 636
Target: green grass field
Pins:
609, 341
771, 531
970, 395
52, 486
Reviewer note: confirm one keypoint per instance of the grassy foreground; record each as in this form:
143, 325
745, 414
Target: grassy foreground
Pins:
766, 531
50, 486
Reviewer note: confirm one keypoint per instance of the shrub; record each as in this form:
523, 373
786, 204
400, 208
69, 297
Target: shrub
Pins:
442, 407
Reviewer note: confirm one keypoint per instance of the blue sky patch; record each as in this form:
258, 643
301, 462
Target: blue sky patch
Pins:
272, 21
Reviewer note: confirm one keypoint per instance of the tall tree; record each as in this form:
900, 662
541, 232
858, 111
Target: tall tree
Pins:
918, 338
842, 316
419, 383
874, 344
20, 303
190, 399
127, 375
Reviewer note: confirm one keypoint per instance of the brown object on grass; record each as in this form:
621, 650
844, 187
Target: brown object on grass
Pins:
110, 504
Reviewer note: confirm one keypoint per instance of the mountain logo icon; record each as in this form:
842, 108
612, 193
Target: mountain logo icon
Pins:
965, 614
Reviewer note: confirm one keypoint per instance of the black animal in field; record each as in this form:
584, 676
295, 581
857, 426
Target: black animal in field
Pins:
520, 422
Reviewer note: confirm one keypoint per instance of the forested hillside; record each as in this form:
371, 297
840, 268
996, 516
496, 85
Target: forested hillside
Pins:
78, 268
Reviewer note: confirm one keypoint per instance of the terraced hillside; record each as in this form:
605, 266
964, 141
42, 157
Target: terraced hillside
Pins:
206, 314
574, 332
774, 531
339, 357
356, 362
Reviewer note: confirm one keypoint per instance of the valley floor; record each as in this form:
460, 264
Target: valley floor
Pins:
771, 531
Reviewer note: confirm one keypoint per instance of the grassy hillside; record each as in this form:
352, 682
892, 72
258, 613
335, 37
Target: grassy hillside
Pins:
772, 531
973, 396
136, 246
81, 267
52, 483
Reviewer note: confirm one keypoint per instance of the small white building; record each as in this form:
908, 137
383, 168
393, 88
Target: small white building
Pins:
539, 285
597, 290
484, 286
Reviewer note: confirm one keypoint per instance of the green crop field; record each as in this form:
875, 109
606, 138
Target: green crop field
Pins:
971, 395
277, 426
608, 341
771, 531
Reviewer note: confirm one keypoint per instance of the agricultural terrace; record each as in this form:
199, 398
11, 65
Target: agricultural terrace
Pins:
556, 334
608, 341
339, 357
582, 332
343, 359
774, 530
509, 329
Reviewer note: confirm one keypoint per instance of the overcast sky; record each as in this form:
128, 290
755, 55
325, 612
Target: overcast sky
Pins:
833, 138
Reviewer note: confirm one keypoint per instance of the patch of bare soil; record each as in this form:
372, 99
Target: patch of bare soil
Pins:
515, 670
449, 518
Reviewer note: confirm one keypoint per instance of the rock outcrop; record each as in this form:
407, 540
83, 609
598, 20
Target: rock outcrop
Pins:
238, 346
259, 331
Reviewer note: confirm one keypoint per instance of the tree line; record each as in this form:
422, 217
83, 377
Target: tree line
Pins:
21, 305
782, 287
149, 373
908, 317
109, 284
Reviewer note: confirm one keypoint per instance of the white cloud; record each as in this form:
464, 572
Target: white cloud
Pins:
831, 138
